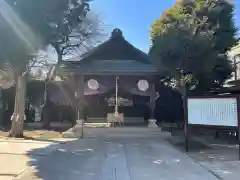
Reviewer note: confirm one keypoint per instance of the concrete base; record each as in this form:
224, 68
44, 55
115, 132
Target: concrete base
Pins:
108, 125
80, 123
152, 123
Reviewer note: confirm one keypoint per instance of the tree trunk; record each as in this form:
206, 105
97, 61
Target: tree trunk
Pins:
178, 82
80, 96
19, 107
60, 57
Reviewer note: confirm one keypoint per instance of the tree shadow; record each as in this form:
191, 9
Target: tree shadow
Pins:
194, 146
60, 161
207, 147
48, 162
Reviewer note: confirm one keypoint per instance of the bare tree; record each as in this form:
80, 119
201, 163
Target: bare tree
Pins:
79, 44
60, 23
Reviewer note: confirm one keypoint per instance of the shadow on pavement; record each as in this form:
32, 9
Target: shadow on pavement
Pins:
49, 162
81, 158
194, 146
207, 148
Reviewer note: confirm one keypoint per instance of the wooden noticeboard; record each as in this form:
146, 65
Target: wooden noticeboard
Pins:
212, 111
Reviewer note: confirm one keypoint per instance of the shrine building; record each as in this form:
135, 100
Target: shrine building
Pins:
112, 78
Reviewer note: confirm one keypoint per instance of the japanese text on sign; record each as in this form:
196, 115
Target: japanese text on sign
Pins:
213, 111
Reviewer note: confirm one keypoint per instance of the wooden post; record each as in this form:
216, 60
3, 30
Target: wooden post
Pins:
186, 133
152, 122
235, 68
80, 101
116, 112
185, 111
152, 99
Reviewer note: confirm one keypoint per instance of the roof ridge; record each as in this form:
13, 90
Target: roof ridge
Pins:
116, 47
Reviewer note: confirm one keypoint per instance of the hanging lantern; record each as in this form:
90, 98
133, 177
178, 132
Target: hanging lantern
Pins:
93, 84
143, 85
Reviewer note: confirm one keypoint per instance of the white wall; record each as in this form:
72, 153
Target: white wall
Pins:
232, 54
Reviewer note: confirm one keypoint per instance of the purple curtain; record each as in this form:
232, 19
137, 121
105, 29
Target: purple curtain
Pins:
129, 84
105, 83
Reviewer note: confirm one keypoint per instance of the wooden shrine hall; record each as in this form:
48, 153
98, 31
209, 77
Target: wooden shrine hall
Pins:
113, 80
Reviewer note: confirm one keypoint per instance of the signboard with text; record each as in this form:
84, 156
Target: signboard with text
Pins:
213, 111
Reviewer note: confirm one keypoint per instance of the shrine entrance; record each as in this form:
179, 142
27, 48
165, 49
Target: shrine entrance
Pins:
119, 100
115, 80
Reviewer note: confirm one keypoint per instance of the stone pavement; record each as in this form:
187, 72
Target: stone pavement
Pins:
222, 161
117, 154
221, 158
216, 155
15, 155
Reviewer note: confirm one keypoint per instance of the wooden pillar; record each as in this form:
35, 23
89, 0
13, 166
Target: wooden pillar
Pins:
79, 95
116, 112
152, 99
183, 90
79, 103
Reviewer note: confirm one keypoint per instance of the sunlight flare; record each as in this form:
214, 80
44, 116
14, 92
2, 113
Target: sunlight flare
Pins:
22, 30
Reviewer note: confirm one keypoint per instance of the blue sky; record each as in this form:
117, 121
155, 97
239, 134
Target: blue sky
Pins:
134, 17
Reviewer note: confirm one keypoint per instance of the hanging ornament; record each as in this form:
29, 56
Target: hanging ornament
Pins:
143, 85
93, 84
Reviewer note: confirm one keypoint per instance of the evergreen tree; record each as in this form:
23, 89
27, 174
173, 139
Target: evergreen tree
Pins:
194, 36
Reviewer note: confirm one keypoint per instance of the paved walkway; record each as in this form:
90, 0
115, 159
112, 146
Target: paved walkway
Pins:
117, 154
15, 155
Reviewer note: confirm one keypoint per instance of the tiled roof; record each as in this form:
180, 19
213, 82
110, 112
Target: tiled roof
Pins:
116, 48
111, 67
115, 56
